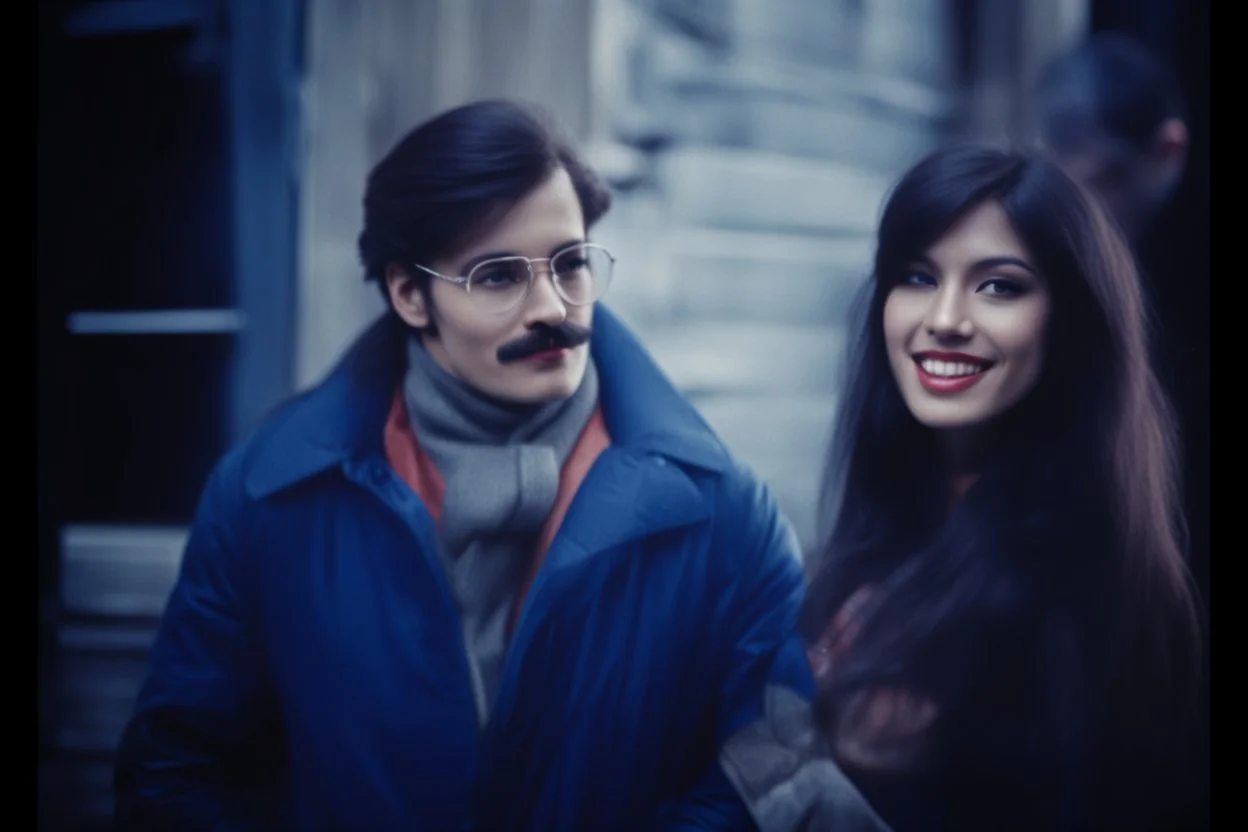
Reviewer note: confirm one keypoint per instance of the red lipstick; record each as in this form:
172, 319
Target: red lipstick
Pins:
949, 372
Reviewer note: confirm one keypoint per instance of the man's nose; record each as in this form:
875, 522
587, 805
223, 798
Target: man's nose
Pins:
544, 305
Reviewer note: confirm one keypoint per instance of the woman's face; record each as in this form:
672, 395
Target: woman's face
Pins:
965, 328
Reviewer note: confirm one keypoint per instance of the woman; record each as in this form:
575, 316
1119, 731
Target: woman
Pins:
1001, 629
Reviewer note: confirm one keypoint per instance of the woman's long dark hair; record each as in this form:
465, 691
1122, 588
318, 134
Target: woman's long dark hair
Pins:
1058, 584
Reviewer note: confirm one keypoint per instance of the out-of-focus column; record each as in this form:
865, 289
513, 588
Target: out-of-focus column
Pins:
1013, 39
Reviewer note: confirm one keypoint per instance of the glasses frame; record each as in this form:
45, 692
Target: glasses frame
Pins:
464, 281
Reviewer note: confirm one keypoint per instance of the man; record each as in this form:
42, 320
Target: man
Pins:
1112, 114
494, 572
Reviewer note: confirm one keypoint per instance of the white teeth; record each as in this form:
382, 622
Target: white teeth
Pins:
950, 369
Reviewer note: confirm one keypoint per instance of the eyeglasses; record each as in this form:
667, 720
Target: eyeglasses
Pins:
580, 273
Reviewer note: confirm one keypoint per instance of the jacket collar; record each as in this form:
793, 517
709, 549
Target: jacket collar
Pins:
343, 418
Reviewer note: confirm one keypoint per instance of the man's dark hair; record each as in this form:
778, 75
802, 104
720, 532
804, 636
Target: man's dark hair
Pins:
452, 176
1111, 83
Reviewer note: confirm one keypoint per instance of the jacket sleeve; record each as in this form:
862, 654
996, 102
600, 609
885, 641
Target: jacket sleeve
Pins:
191, 756
755, 628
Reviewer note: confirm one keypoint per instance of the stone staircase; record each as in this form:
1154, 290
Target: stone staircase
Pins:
114, 583
744, 251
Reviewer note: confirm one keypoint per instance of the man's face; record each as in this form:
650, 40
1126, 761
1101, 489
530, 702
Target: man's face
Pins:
1133, 185
468, 339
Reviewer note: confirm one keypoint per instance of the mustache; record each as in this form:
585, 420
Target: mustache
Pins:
543, 337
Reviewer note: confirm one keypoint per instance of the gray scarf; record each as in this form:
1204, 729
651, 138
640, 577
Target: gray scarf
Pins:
500, 463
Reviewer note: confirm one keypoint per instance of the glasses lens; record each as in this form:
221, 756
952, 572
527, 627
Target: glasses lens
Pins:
499, 285
583, 273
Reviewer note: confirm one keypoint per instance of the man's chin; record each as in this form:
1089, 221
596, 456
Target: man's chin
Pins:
552, 390
541, 383
542, 389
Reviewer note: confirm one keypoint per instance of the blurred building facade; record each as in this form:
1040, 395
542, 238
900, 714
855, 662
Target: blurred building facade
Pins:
749, 145
201, 170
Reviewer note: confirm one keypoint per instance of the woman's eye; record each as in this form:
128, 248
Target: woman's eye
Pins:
918, 279
1002, 287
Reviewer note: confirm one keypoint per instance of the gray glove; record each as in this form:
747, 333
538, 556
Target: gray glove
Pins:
784, 771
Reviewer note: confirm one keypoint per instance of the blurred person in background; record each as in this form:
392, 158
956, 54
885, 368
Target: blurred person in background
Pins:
494, 572
1112, 113
1001, 624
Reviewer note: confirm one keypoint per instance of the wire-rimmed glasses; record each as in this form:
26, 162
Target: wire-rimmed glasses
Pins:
580, 273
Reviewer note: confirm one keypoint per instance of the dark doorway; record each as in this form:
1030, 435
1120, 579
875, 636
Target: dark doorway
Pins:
166, 206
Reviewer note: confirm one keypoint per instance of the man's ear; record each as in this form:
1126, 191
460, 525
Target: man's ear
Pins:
406, 297
1172, 141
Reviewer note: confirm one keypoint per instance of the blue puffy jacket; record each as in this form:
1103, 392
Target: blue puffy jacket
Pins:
309, 671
